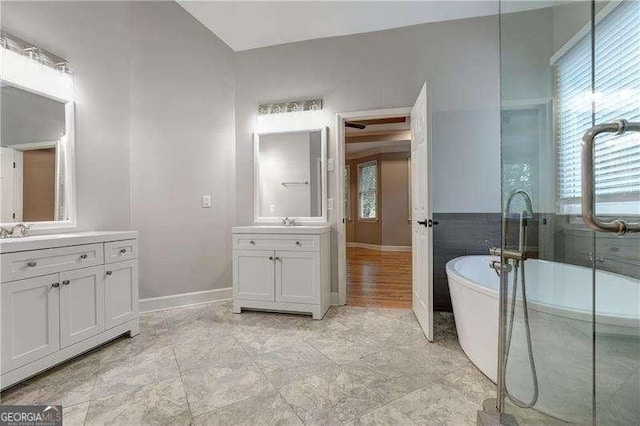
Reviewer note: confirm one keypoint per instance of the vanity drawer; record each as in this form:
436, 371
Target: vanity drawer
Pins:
27, 264
117, 251
276, 242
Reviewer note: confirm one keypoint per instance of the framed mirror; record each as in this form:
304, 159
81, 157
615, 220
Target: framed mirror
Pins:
291, 176
36, 145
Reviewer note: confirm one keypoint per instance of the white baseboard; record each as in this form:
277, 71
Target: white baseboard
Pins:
378, 247
185, 299
334, 298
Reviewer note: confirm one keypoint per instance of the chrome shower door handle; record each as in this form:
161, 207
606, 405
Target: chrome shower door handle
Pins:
618, 226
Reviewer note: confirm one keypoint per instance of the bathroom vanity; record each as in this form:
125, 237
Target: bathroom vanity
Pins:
63, 295
282, 268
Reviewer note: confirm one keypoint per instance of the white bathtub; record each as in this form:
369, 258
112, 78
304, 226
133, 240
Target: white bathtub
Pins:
555, 289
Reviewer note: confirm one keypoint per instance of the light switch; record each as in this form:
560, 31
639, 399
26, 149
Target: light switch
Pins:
330, 164
330, 204
272, 208
206, 201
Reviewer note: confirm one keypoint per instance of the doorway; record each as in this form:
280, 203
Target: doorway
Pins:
378, 212
365, 265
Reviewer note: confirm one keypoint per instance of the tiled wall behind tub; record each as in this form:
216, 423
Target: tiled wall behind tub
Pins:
459, 234
573, 244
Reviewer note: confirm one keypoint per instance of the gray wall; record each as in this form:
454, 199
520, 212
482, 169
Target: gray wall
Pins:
181, 148
458, 59
154, 130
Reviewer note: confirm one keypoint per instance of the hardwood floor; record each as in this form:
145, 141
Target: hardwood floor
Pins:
378, 279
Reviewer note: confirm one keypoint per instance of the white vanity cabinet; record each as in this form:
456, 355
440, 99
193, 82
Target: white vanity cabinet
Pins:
63, 295
282, 269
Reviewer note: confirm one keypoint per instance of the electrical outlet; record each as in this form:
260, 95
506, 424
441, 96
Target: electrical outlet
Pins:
206, 201
330, 164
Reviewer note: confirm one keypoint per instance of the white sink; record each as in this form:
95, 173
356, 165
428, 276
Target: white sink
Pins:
280, 229
37, 242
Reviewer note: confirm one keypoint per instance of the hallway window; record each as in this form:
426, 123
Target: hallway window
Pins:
368, 191
617, 90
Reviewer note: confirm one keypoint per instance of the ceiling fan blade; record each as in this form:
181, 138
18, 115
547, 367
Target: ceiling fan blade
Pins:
354, 125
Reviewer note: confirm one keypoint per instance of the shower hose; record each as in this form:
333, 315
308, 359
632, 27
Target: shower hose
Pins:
519, 267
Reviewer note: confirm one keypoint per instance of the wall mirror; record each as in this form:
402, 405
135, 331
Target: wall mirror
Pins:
36, 145
291, 176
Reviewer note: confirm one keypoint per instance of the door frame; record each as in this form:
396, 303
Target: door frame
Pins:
341, 227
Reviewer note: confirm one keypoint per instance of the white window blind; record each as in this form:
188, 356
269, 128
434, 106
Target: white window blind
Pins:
617, 95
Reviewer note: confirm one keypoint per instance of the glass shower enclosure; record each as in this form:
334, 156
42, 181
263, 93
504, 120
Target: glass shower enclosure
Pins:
570, 275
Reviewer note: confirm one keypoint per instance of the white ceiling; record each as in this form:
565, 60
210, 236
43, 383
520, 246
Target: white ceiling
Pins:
251, 24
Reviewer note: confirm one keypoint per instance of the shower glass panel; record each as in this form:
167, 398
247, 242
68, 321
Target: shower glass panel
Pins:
570, 312
617, 195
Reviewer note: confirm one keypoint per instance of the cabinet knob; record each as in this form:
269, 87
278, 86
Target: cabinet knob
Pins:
109, 272
270, 257
55, 285
277, 258
66, 282
253, 243
123, 251
83, 256
298, 243
31, 263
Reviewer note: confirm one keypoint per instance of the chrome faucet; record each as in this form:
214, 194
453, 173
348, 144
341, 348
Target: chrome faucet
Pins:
521, 253
18, 231
5, 232
289, 221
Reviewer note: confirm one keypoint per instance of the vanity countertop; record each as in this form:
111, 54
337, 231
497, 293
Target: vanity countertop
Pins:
37, 242
279, 229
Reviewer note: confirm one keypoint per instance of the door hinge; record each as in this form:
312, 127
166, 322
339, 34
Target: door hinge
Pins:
14, 164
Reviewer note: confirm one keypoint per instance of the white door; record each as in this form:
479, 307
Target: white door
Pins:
81, 304
421, 220
30, 320
8, 186
121, 292
298, 277
253, 275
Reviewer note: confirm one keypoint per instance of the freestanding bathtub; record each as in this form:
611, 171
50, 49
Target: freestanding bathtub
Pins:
560, 291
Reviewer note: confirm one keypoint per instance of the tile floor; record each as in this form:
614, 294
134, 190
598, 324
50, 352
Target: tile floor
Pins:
205, 365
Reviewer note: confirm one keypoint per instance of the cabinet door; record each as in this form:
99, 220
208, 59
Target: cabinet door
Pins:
81, 304
121, 292
253, 276
298, 277
30, 320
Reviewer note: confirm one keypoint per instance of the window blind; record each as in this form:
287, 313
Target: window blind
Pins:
617, 95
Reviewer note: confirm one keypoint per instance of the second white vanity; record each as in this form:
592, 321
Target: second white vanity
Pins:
277, 267
282, 268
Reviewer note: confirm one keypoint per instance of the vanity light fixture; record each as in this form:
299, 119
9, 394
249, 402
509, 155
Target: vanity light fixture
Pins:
63, 67
295, 106
33, 53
